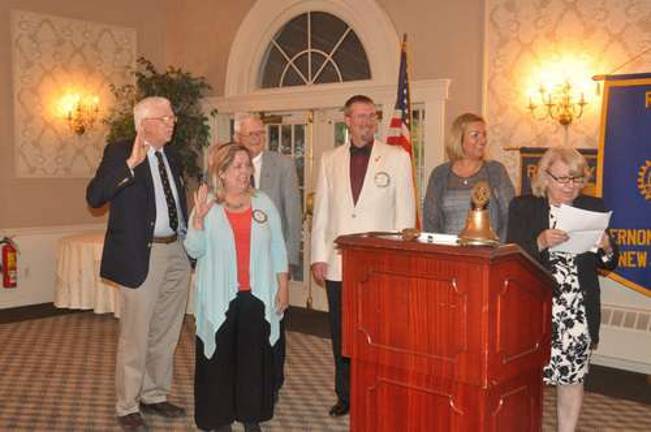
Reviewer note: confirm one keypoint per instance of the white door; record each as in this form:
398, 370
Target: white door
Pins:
304, 136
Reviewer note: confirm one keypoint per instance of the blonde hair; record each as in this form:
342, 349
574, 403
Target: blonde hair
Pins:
574, 160
454, 143
220, 157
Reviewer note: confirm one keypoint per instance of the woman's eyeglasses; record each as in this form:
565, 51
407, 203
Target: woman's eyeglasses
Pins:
577, 180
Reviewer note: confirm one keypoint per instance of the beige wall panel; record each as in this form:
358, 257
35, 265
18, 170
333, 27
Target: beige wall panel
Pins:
199, 37
523, 36
445, 41
46, 202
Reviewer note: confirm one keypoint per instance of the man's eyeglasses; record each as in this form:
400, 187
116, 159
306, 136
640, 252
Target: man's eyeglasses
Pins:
258, 134
365, 117
164, 119
577, 180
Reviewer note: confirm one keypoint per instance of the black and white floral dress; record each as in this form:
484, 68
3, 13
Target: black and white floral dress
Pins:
570, 353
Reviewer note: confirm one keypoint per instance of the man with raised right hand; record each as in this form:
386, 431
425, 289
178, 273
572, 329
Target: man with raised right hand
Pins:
143, 253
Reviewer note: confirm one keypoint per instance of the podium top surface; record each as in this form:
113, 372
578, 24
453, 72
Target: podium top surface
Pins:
387, 241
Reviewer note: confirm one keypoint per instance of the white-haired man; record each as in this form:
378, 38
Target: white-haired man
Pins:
144, 255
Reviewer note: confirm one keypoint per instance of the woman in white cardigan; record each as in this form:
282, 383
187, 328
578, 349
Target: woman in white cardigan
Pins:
236, 236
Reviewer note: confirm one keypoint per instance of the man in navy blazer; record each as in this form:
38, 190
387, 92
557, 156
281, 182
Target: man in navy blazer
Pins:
144, 255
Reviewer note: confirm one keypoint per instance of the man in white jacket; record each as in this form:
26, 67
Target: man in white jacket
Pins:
362, 186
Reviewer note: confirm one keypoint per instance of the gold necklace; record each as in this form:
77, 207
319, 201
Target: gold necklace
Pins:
234, 206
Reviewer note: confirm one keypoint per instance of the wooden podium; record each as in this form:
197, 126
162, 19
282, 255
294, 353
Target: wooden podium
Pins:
444, 338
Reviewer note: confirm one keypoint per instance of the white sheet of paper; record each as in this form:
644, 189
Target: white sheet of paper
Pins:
583, 226
436, 238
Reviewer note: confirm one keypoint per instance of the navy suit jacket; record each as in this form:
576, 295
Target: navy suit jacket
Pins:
529, 216
132, 214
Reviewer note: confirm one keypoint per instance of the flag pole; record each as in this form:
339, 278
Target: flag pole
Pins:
411, 122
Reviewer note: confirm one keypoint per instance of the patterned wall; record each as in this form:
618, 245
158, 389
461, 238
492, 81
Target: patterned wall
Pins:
523, 34
51, 56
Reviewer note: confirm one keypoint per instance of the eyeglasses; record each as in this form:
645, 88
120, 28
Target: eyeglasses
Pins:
165, 119
257, 134
577, 180
365, 117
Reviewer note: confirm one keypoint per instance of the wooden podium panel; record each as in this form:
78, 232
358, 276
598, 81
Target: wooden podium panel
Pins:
443, 337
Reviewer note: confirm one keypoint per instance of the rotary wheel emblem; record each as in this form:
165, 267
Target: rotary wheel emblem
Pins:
644, 180
480, 194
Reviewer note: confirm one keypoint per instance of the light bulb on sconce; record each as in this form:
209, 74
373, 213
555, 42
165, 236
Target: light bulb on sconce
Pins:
558, 102
561, 88
80, 111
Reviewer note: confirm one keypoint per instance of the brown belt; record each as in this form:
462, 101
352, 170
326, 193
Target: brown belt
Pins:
165, 240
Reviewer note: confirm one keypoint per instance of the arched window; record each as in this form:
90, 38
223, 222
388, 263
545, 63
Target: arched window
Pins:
314, 48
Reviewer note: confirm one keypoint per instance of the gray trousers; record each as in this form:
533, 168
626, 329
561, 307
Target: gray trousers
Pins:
151, 317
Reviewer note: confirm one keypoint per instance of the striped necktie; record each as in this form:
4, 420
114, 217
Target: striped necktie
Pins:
169, 197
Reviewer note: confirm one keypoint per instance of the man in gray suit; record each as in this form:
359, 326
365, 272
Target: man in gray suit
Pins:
275, 175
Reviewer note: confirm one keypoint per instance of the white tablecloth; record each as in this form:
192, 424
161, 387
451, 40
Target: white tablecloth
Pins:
78, 284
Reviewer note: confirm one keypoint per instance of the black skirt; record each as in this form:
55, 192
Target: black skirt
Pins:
237, 382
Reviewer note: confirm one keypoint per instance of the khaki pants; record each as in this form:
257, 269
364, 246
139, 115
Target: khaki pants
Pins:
150, 324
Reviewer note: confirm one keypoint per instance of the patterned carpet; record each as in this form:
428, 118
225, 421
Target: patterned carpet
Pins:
57, 375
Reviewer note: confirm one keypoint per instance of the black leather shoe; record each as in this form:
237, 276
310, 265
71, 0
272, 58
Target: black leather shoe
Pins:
339, 409
164, 409
132, 423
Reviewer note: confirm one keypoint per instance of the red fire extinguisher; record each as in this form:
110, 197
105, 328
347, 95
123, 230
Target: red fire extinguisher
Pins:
9, 263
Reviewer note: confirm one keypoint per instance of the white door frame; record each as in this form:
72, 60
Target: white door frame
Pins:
431, 93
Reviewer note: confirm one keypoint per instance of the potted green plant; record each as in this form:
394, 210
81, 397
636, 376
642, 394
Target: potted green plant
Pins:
184, 91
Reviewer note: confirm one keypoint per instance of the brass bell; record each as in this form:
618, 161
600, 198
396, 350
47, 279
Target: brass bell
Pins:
478, 230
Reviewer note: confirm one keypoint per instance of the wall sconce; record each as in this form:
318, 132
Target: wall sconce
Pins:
80, 112
557, 103
561, 89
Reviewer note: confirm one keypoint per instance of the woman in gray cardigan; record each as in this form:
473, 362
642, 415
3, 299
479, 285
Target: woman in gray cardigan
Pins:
447, 199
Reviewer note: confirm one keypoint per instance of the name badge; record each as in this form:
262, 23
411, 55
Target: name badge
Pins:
259, 216
382, 179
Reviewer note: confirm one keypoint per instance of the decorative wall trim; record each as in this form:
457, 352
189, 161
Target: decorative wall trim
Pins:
52, 55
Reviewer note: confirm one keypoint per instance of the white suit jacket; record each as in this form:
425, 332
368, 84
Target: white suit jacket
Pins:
385, 203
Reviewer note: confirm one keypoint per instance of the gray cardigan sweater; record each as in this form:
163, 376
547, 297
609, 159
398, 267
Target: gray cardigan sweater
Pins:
501, 189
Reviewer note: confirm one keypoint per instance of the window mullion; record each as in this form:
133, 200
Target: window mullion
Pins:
329, 57
290, 62
309, 48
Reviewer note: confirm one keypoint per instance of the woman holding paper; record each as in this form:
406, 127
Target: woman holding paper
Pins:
561, 174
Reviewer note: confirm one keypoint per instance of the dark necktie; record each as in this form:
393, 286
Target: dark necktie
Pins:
169, 197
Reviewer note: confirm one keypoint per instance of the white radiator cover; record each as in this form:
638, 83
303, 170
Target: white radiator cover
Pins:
625, 337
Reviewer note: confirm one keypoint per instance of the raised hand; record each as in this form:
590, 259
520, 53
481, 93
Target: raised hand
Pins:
138, 151
202, 205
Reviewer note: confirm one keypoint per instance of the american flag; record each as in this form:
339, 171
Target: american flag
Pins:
399, 132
